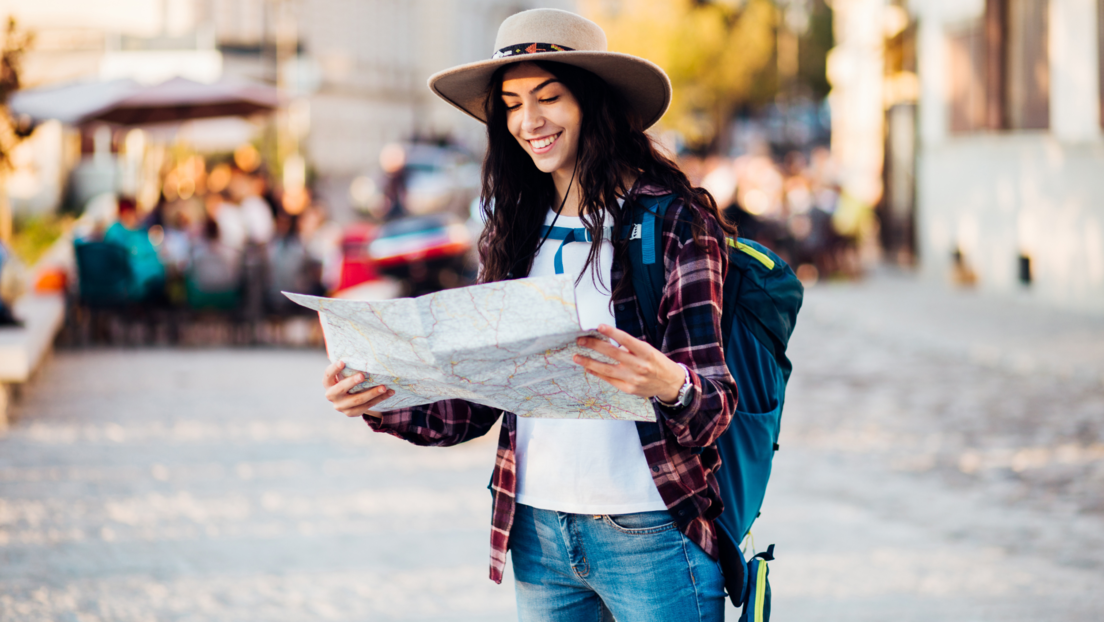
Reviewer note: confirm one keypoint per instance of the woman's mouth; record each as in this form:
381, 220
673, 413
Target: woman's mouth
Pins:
543, 145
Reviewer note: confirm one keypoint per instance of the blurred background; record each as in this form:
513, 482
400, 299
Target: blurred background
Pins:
931, 169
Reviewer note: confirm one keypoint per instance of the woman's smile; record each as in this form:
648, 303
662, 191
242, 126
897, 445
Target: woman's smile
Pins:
543, 144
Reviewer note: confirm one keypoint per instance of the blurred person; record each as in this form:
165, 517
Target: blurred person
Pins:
213, 275
322, 239
257, 218
393, 163
176, 248
257, 215
231, 224
289, 266
147, 272
567, 147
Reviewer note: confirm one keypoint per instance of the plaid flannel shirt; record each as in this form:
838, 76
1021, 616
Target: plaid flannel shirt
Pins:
679, 446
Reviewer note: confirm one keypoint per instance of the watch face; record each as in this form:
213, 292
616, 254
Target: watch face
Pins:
684, 396
684, 392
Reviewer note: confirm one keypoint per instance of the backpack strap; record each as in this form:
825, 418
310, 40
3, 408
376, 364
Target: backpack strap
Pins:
649, 276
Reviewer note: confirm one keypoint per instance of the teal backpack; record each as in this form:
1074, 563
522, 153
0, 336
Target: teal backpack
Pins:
762, 297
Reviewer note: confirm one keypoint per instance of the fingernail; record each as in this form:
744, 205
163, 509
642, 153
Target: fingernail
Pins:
382, 390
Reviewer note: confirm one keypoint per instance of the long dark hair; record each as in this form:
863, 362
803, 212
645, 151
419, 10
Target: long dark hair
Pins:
516, 195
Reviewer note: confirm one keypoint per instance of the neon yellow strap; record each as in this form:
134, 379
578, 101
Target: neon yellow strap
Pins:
760, 590
763, 259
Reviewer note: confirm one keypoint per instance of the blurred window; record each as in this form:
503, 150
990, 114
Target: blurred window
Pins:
999, 69
1027, 65
967, 59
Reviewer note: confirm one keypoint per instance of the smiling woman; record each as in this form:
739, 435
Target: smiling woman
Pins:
604, 519
544, 117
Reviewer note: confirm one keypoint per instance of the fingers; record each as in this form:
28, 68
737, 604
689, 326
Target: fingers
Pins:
632, 344
607, 370
358, 403
339, 389
606, 348
329, 377
355, 404
617, 383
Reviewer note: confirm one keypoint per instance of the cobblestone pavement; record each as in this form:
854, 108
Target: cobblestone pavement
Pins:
219, 485
942, 458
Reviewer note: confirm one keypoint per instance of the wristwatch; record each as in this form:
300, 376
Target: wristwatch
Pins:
683, 398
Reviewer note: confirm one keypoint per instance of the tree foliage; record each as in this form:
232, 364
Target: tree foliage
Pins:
14, 45
719, 55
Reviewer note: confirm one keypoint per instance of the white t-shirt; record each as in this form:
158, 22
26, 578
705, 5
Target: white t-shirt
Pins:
583, 466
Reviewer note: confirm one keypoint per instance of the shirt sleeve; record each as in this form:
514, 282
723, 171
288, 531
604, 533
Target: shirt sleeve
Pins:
690, 323
440, 424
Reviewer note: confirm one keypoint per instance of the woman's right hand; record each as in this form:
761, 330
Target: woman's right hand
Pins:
352, 404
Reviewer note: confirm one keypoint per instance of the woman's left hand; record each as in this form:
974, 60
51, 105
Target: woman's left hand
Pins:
640, 369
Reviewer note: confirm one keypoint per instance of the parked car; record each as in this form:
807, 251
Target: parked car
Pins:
427, 253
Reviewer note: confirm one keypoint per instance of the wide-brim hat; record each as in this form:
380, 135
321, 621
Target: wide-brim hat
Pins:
562, 37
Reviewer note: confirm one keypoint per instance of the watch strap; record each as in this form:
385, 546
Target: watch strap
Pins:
681, 400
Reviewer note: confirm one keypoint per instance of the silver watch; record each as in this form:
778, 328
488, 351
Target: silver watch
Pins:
683, 398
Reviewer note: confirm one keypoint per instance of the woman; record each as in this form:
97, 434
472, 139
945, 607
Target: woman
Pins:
603, 519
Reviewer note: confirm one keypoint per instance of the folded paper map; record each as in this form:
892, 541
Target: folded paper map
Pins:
507, 345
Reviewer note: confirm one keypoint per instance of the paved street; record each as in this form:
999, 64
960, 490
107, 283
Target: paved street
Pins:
942, 458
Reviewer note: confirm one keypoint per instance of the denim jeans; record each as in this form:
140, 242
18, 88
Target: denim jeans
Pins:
628, 567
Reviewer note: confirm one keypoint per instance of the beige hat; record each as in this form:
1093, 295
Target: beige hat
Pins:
562, 37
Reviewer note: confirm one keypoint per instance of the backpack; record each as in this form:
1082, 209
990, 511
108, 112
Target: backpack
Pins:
762, 297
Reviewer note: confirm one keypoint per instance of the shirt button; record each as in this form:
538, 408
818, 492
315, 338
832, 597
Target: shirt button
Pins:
620, 307
655, 469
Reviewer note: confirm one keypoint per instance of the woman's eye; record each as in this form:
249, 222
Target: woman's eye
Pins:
549, 100
514, 107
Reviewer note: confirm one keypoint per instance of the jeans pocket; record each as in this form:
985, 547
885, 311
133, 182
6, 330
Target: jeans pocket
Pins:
641, 523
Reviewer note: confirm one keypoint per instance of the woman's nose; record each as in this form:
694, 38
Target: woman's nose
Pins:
532, 119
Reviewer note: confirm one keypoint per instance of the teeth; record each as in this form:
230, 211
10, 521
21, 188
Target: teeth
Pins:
544, 142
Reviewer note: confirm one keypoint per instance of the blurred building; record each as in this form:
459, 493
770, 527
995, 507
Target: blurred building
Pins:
361, 67
355, 70
1010, 156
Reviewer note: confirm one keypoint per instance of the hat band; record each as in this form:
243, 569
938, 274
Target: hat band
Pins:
529, 48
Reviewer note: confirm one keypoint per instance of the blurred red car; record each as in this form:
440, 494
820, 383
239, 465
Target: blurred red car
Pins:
356, 264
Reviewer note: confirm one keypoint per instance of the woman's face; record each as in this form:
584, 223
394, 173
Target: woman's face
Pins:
543, 116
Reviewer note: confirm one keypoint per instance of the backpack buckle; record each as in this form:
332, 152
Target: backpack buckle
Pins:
636, 232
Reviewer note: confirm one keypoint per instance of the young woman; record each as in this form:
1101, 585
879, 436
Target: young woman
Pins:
603, 519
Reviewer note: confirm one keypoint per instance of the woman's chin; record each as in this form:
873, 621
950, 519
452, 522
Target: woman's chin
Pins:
545, 165
548, 164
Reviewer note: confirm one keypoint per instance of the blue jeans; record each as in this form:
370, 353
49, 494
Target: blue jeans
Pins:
628, 567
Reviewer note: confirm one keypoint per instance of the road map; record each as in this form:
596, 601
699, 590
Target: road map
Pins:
507, 345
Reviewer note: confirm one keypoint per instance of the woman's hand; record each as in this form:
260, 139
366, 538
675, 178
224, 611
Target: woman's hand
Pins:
640, 369
352, 404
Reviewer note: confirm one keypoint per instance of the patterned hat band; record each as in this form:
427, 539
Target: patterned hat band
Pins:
529, 48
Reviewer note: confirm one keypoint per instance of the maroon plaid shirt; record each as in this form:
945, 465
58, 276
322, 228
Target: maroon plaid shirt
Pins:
679, 446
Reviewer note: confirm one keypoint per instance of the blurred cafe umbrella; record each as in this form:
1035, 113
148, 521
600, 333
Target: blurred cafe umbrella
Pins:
125, 102
70, 103
180, 99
